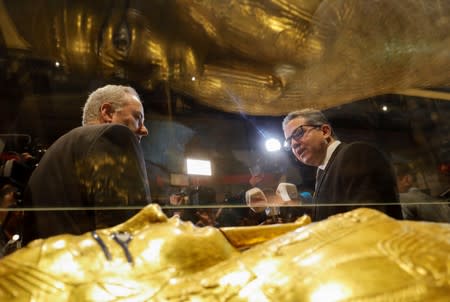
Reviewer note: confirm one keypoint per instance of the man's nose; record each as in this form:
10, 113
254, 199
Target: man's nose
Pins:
142, 131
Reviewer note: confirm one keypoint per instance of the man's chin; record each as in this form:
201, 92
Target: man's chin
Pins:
307, 161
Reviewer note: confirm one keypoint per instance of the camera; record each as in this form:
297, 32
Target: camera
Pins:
18, 159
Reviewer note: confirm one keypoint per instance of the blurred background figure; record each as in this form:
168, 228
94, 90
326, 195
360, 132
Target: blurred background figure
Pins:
195, 204
416, 204
18, 158
204, 200
10, 221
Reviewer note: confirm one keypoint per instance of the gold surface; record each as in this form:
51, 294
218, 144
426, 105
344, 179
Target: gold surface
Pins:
259, 57
362, 255
244, 237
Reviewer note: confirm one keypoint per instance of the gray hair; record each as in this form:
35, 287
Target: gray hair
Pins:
116, 95
311, 116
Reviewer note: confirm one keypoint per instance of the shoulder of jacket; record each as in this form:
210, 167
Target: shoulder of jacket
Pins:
361, 145
102, 129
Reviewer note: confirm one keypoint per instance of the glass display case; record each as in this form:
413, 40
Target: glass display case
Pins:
216, 80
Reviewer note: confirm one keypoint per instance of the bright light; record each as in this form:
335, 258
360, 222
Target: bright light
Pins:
193, 78
57, 64
153, 253
330, 292
235, 278
272, 145
384, 108
198, 167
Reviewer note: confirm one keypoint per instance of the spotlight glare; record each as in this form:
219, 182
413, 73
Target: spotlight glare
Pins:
198, 167
272, 145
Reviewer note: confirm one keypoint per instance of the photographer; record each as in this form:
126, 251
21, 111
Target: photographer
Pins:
16, 166
10, 221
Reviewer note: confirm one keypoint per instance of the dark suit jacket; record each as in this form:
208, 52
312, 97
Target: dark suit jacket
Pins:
356, 173
97, 165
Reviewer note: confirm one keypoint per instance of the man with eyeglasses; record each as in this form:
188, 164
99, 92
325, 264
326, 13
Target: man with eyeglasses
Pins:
348, 175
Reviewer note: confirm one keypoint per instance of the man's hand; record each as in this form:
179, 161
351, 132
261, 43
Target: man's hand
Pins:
288, 194
176, 199
256, 200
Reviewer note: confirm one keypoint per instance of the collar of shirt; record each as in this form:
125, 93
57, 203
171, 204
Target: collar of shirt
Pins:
331, 148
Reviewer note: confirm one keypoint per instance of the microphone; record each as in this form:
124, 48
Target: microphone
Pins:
287, 191
256, 200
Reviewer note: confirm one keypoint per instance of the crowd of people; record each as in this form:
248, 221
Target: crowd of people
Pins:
95, 176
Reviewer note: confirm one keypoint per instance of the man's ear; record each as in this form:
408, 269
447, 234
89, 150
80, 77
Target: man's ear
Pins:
106, 113
326, 129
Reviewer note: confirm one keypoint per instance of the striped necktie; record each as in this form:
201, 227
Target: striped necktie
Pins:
319, 176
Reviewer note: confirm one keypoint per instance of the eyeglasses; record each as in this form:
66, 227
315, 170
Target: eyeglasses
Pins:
297, 134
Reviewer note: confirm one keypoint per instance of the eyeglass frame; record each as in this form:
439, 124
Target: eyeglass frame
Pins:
288, 146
